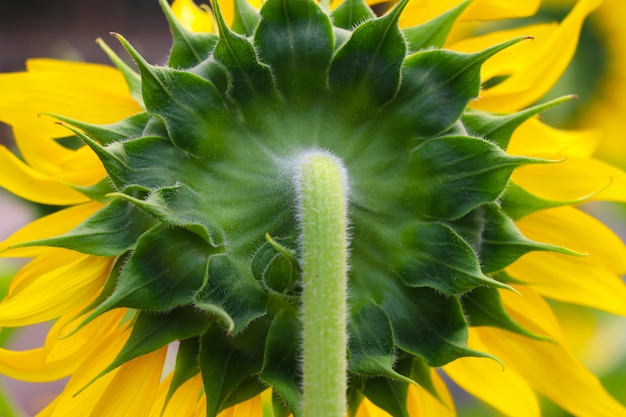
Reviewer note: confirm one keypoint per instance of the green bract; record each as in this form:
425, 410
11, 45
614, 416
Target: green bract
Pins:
202, 212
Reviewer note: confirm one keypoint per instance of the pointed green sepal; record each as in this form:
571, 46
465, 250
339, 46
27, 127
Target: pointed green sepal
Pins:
232, 289
497, 240
98, 192
106, 134
133, 80
499, 128
248, 77
371, 343
111, 231
433, 34
351, 13
517, 202
282, 350
227, 362
436, 256
166, 269
483, 307
439, 344
112, 156
179, 206
366, 69
300, 71
188, 48
190, 105
455, 174
437, 85
279, 406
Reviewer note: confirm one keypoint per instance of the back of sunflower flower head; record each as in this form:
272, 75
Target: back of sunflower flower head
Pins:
312, 207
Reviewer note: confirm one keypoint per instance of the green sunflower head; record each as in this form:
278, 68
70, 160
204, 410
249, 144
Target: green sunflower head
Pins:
202, 198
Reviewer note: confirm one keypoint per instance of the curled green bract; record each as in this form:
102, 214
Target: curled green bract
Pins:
203, 211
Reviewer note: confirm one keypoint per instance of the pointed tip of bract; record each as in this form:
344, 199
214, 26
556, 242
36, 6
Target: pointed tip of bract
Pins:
134, 54
222, 27
491, 51
132, 78
434, 32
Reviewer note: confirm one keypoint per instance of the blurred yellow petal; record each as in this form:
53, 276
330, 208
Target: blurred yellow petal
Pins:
32, 365
193, 17
534, 138
60, 358
553, 371
576, 230
133, 388
41, 153
65, 88
538, 68
105, 350
64, 287
573, 179
420, 11
64, 341
54, 224
485, 379
182, 403
200, 410
421, 403
367, 409
504, 63
22, 180
532, 312
251, 408
572, 279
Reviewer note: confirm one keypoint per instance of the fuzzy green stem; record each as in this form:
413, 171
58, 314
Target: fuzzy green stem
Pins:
322, 193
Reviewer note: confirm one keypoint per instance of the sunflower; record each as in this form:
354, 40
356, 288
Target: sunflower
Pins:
317, 209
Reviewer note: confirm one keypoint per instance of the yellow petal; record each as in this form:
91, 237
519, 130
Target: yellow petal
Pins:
532, 312
61, 343
534, 138
571, 279
59, 357
40, 152
200, 410
70, 404
182, 403
576, 230
251, 408
54, 224
573, 179
553, 371
421, 403
133, 388
420, 11
193, 17
65, 88
504, 63
32, 366
22, 180
538, 70
368, 409
485, 379
64, 287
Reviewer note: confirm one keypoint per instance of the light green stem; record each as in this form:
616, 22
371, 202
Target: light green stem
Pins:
322, 192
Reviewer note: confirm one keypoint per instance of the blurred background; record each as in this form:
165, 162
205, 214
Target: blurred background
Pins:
67, 29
